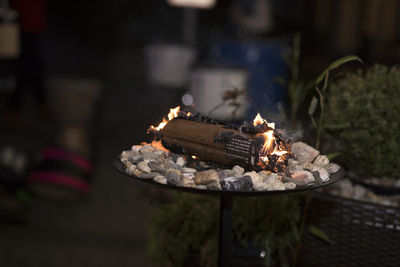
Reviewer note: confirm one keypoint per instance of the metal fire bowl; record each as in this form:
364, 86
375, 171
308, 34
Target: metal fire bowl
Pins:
332, 179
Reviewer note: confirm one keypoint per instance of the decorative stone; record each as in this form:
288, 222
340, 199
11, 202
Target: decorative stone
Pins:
255, 178
225, 174
188, 170
131, 168
318, 180
204, 165
359, 192
200, 186
136, 172
303, 152
169, 164
157, 166
264, 174
214, 185
304, 177
188, 175
323, 175
180, 161
289, 185
292, 163
237, 184
160, 179
149, 175
136, 148
321, 161
187, 181
238, 171
261, 186
276, 186
173, 176
206, 177
271, 178
332, 168
147, 149
135, 158
307, 166
142, 166
151, 156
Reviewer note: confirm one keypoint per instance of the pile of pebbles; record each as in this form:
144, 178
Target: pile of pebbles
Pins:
308, 167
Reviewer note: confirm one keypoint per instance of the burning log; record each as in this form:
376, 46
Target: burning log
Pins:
253, 146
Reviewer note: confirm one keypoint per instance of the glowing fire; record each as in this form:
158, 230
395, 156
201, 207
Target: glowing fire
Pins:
270, 146
173, 113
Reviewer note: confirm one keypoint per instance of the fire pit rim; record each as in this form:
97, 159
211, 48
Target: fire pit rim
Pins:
119, 166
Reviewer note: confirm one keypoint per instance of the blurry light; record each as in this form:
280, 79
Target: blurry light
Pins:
187, 99
192, 3
262, 253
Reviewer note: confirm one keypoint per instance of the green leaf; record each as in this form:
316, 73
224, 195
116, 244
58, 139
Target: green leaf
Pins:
320, 234
333, 155
313, 106
335, 65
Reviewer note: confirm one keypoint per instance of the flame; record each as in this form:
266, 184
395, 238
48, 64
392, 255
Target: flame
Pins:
173, 113
159, 146
194, 157
270, 146
258, 120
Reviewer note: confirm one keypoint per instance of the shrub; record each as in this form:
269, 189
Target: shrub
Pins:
364, 108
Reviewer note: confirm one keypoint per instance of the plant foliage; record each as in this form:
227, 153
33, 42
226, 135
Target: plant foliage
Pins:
184, 231
365, 108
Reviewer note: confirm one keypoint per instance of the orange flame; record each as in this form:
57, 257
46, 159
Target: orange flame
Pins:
270, 146
173, 113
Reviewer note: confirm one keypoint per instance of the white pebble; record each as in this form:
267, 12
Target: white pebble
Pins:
160, 179
143, 167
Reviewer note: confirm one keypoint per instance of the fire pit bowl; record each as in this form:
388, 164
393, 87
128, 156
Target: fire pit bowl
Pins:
333, 179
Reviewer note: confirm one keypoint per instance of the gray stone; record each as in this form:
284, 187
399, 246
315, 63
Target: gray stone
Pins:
188, 170
321, 161
318, 180
204, 165
264, 174
206, 177
323, 174
303, 152
142, 166
169, 164
238, 171
359, 192
332, 168
305, 177
187, 182
180, 161
277, 185
148, 175
151, 156
157, 166
173, 176
200, 186
255, 178
307, 166
214, 185
289, 185
261, 186
188, 175
147, 149
160, 179
223, 174
135, 159
136, 148
292, 163
130, 168
237, 184
271, 178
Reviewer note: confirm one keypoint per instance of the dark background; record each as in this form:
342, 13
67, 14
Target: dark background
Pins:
104, 41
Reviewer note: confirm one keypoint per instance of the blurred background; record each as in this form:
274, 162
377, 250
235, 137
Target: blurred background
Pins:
80, 81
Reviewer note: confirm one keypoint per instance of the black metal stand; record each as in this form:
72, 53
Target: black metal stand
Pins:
225, 231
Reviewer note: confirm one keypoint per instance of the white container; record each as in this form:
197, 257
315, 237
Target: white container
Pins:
208, 85
169, 65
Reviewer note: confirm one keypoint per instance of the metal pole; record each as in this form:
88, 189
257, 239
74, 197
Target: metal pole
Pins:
225, 231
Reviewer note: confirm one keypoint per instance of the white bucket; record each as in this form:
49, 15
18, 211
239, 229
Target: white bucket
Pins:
169, 65
207, 87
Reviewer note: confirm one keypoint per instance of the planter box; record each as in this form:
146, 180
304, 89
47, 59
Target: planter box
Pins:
362, 233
